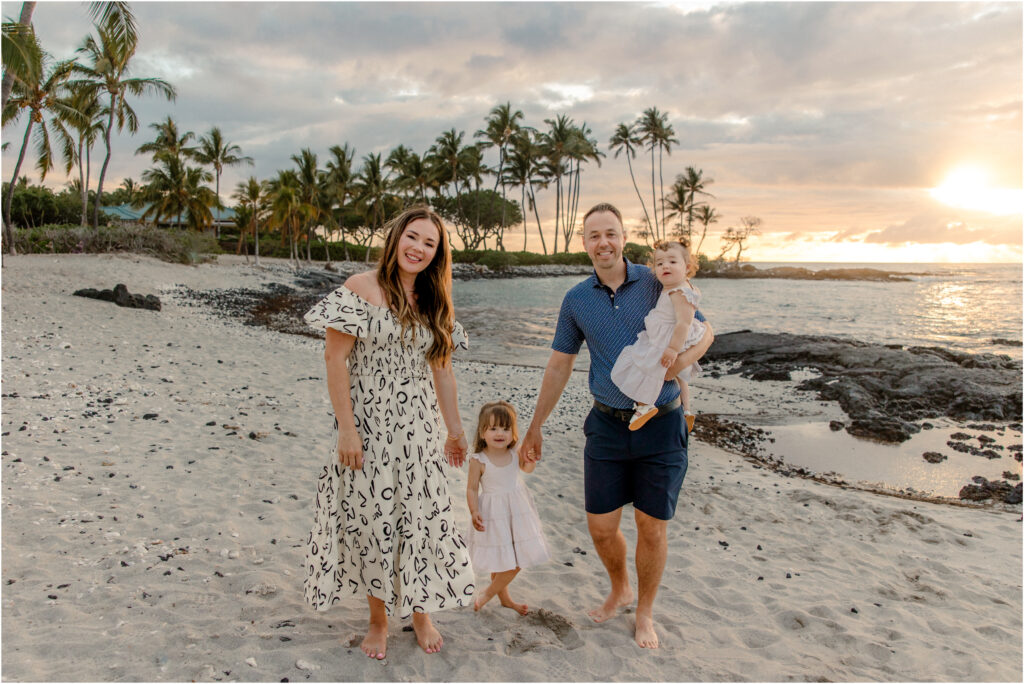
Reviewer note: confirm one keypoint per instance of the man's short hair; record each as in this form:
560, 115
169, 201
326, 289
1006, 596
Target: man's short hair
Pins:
604, 206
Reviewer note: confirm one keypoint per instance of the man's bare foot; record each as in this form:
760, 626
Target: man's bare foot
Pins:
645, 635
375, 643
520, 608
427, 636
611, 606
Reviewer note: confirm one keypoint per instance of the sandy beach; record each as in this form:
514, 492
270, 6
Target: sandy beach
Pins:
158, 479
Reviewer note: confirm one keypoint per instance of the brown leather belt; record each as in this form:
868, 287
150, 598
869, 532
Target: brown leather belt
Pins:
626, 414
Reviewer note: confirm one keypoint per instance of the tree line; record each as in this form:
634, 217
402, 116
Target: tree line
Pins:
74, 105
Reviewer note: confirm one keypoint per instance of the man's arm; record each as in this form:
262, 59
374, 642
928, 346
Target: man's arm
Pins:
693, 354
556, 376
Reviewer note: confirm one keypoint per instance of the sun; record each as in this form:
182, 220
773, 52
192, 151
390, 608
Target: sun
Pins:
966, 187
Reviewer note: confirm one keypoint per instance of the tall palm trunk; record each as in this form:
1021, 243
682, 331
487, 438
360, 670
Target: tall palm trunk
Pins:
25, 20
654, 198
106, 162
83, 188
256, 232
216, 221
636, 187
661, 181
8, 227
536, 215
523, 206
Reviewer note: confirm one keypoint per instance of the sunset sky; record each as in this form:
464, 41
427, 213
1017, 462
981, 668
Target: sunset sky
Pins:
855, 131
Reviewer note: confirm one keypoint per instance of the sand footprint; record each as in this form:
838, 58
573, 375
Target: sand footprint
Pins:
539, 629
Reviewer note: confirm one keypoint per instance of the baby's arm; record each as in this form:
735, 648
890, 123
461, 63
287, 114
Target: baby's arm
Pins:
476, 469
684, 317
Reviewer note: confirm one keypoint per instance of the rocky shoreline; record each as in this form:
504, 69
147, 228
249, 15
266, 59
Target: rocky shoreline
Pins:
800, 273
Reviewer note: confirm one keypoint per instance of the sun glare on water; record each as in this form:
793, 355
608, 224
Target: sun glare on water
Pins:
967, 187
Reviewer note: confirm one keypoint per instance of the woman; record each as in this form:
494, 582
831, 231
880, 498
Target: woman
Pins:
384, 524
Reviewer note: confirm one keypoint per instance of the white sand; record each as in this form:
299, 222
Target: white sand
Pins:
174, 548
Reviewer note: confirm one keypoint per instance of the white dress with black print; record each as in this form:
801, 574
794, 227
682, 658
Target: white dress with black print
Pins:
387, 530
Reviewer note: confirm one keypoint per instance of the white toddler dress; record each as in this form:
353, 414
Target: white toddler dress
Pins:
512, 536
638, 372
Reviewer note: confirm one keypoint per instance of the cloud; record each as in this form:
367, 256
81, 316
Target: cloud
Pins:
946, 227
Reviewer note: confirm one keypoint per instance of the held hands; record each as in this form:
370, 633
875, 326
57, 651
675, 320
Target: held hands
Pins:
455, 449
350, 450
530, 448
478, 522
669, 357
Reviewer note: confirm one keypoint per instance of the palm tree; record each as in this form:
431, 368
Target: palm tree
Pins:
252, 197
706, 215
19, 44
309, 192
170, 142
656, 133
694, 182
217, 152
109, 58
557, 142
678, 201
88, 128
584, 148
174, 189
43, 92
286, 209
626, 140
116, 16
339, 180
523, 171
447, 148
502, 124
373, 188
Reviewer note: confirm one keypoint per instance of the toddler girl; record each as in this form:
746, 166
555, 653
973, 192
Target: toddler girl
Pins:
669, 329
506, 534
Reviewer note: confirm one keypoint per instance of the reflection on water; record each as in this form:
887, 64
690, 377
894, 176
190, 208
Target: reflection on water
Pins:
816, 447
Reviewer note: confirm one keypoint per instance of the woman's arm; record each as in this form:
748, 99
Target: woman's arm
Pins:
448, 401
476, 469
350, 445
684, 317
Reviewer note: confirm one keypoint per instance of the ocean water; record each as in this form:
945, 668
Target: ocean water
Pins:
970, 308
964, 307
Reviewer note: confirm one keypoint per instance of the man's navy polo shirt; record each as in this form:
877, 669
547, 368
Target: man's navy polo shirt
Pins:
608, 322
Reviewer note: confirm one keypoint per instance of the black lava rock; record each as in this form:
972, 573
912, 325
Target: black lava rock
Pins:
120, 296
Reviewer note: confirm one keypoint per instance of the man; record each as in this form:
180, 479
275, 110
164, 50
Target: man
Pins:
646, 467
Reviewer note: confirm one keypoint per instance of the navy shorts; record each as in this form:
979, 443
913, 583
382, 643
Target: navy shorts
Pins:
645, 468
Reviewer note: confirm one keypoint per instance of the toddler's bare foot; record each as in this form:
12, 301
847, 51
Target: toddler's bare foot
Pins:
611, 605
645, 635
375, 643
520, 608
427, 636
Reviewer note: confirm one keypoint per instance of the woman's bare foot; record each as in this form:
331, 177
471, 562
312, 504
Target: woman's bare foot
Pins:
645, 635
611, 605
427, 636
375, 643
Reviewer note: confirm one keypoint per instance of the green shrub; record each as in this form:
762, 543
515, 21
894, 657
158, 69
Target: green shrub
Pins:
497, 261
178, 246
638, 254
570, 259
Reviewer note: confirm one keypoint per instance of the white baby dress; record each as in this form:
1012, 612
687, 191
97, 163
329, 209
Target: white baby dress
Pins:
638, 372
512, 536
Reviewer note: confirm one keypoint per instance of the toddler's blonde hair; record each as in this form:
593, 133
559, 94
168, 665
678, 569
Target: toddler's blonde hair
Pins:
684, 245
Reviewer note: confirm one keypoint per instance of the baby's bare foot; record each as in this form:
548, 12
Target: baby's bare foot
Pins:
427, 636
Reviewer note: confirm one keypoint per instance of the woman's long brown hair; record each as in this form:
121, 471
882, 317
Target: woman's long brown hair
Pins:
433, 286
